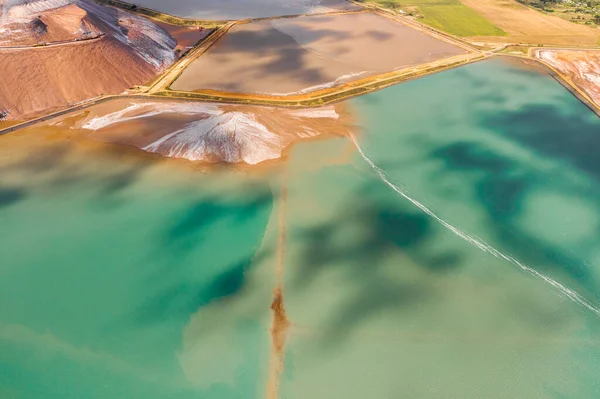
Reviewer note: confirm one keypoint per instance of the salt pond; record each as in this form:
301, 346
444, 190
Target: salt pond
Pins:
124, 275
240, 9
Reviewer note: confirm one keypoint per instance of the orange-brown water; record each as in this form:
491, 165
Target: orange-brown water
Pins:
206, 132
303, 54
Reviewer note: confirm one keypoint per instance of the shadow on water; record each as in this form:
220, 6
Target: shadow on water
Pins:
187, 252
179, 301
283, 50
210, 276
285, 55
389, 257
10, 196
58, 166
191, 227
235, 9
520, 157
379, 35
382, 231
501, 189
571, 137
503, 184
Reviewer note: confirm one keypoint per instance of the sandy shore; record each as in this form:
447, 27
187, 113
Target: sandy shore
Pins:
297, 55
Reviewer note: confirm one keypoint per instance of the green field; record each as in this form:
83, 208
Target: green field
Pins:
521, 50
448, 15
459, 20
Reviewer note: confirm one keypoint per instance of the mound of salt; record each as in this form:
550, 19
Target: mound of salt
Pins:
213, 133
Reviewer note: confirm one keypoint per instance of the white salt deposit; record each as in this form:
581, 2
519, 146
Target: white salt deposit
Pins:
227, 134
147, 39
24, 10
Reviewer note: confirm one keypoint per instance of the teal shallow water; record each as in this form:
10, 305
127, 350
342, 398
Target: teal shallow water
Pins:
129, 279
391, 303
102, 270
503, 152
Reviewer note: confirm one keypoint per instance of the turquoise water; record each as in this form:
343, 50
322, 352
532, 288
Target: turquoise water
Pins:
104, 267
503, 152
126, 277
389, 302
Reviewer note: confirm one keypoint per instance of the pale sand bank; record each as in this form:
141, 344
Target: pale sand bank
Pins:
297, 55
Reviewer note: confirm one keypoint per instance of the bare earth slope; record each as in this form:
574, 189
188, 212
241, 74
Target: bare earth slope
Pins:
525, 25
45, 78
130, 50
57, 25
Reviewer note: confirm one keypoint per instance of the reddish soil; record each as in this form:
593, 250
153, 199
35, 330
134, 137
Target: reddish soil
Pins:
58, 25
123, 50
43, 78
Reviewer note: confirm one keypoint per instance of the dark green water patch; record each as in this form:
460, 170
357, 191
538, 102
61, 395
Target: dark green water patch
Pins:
504, 153
103, 269
386, 301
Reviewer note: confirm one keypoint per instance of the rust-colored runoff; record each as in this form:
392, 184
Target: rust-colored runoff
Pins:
278, 331
280, 322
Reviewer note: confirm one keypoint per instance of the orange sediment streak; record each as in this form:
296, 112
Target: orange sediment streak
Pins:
278, 336
280, 322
